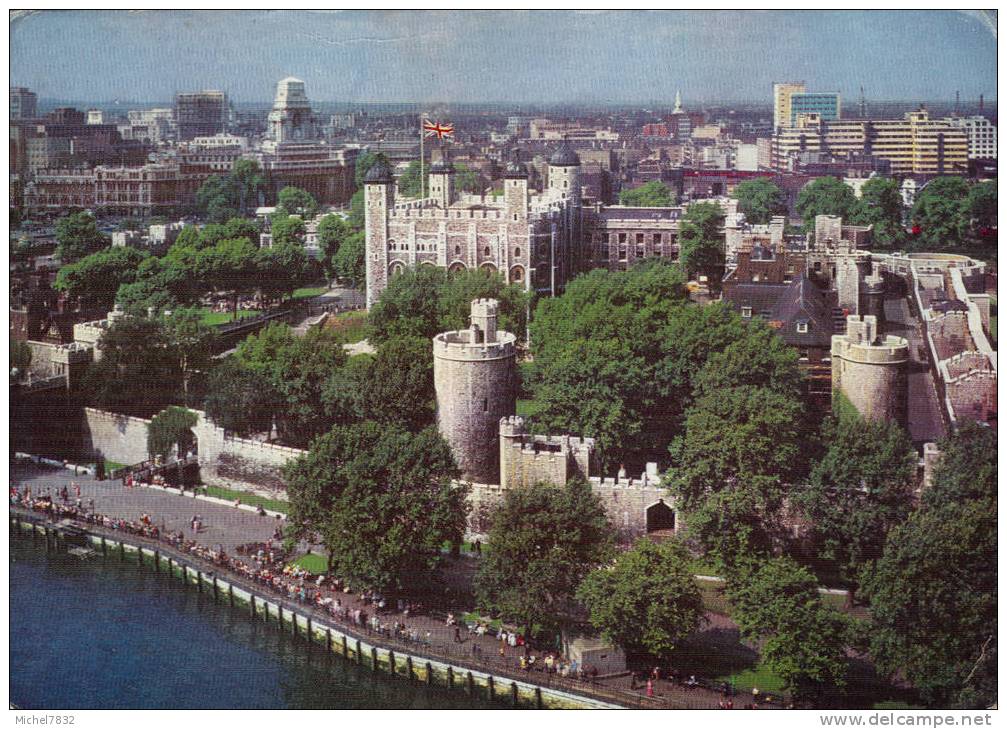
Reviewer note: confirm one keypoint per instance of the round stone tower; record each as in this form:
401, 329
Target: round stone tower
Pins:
476, 383
871, 371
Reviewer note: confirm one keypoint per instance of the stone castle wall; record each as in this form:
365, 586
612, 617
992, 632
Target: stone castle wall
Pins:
115, 437
240, 463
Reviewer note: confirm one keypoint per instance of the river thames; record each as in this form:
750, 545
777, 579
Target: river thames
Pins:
96, 634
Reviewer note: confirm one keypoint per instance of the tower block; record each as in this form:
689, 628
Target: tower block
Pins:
475, 380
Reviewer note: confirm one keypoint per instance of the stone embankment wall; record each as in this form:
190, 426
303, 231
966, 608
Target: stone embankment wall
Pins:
412, 666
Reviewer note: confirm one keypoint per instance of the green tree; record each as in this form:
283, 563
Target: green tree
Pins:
941, 210
137, 368
702, 242
880, 206
171, 428
357, 210
425, 301
741, 449
349, 264
230, 266
240, 400
298, 369
825, 196
77, 236
654, 194
332, 233
933, 593
410, 183
96, 278
759, 358
648, 601
584, 391
240, 228
543, 541
858, 491
982, 205
395, 385
282, 269
382, 501
468, 180
365, 161
190, 342
759, 200
295, 201
219, 198
777, 604
247, 178
288, 230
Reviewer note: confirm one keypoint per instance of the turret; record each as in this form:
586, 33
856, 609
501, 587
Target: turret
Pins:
442, 183
870, 372
516, 190
475, 381
379, 198
564, 172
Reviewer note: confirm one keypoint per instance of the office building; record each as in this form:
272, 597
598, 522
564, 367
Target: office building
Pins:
23, 103
782, 93
201, 114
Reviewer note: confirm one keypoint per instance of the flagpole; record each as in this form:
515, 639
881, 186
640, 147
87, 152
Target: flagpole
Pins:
422, 176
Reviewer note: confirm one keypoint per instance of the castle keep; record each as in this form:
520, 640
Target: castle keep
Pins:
536, 240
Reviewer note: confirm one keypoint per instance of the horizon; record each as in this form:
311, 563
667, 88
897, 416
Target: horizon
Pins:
550, 58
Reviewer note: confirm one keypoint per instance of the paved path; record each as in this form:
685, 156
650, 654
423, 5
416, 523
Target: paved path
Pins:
924, 416
231, 527
222, 525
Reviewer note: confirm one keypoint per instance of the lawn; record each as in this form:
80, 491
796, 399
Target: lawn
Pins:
759, 676
246, 498
216, 318
351, 326
310, 292
316, 564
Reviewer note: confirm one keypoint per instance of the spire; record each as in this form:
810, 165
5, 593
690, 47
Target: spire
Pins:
678, 102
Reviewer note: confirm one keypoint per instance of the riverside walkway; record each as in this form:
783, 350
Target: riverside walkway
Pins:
231, 527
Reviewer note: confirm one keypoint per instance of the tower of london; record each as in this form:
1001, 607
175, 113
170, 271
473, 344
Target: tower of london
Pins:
538, 240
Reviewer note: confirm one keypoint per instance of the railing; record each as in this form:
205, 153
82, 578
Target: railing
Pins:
451, 654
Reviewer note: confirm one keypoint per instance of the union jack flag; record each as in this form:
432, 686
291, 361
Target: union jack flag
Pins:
437, 129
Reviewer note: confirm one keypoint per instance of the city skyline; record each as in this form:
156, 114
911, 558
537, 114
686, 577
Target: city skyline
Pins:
544, 57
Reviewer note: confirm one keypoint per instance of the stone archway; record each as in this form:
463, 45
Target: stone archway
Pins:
660, 517
395, 268
517, 274
488, 267
457, 267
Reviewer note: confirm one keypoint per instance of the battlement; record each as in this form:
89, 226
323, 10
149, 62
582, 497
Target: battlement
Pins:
861, 343
512, 426
460, 345
73, 353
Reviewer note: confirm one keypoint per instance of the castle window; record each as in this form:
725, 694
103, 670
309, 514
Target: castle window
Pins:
458, 250
517, 252
802, 327
746, 312
486, 405
486, 251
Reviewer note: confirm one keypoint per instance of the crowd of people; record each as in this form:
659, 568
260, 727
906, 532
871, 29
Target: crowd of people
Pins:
266, 565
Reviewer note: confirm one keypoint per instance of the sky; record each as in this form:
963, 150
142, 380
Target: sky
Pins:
618, 57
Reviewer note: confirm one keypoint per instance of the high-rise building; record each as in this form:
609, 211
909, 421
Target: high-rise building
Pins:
23, 103
782, 93
915, 144
291, 119
201, 114
981, 133
827, 106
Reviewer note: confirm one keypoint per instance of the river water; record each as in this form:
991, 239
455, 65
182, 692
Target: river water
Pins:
97, 634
